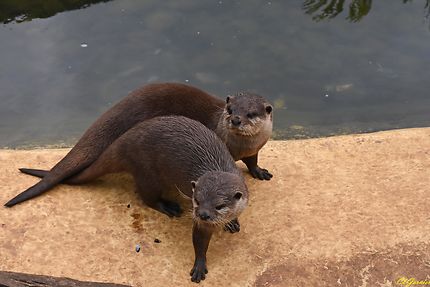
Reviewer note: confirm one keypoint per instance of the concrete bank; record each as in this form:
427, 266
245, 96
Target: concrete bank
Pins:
340, 211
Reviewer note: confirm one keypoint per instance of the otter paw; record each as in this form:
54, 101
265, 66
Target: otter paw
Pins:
199, 271
171, 209
261, 173
233, 226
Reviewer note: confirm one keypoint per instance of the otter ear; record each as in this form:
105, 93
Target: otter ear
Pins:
238, 195
269, 109
193, 185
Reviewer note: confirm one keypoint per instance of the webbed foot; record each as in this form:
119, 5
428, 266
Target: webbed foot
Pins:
199, 271
233, 226
171, 209
260, 173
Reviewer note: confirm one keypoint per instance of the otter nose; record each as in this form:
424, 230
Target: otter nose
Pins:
236, 121
204, 215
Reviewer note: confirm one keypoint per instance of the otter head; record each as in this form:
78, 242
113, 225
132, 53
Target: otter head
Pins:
248, 114
218, 197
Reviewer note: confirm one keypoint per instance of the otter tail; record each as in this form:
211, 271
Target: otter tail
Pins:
34, 172
56, 175
50, 180
106, 163
42, 186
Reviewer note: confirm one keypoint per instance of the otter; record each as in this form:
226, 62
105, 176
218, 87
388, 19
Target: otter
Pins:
243, 122
177, 153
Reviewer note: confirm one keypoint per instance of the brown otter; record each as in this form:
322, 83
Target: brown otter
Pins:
243, 122
177, 153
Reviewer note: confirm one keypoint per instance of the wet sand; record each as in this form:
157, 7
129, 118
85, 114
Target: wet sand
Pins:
340, 211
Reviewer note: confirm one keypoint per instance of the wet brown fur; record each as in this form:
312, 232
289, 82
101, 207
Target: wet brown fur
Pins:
143, 104
171, 153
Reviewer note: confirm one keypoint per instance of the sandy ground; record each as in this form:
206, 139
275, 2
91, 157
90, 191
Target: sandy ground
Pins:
340, 211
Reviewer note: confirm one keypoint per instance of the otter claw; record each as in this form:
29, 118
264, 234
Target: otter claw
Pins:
232, 226
261, 173
199, 271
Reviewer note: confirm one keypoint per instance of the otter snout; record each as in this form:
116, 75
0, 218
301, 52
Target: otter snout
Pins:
204, 215
235, 121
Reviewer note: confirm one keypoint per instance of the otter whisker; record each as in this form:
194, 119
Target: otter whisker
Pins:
181, 193
218, 107
188, 215
217, 223
220, 222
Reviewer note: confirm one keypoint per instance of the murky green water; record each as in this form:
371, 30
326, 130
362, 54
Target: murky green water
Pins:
328, 68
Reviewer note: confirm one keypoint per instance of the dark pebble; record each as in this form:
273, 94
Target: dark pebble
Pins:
156, 240
137, 247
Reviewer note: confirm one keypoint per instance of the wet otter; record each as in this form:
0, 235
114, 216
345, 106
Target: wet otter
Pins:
243, 122
177, 153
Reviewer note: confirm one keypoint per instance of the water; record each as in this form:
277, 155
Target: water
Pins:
326, 71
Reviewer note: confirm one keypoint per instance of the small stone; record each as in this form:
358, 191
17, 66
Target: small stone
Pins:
156, 240
137, 247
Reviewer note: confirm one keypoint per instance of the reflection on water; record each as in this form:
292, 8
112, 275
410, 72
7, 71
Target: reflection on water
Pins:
58, 74
357, 9
25, 10
323, 9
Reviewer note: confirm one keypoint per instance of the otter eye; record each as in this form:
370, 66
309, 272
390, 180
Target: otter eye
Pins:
229, 111
238, 195
251, 115
221, 206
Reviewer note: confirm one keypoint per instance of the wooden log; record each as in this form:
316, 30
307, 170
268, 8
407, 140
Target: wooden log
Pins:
12, 279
